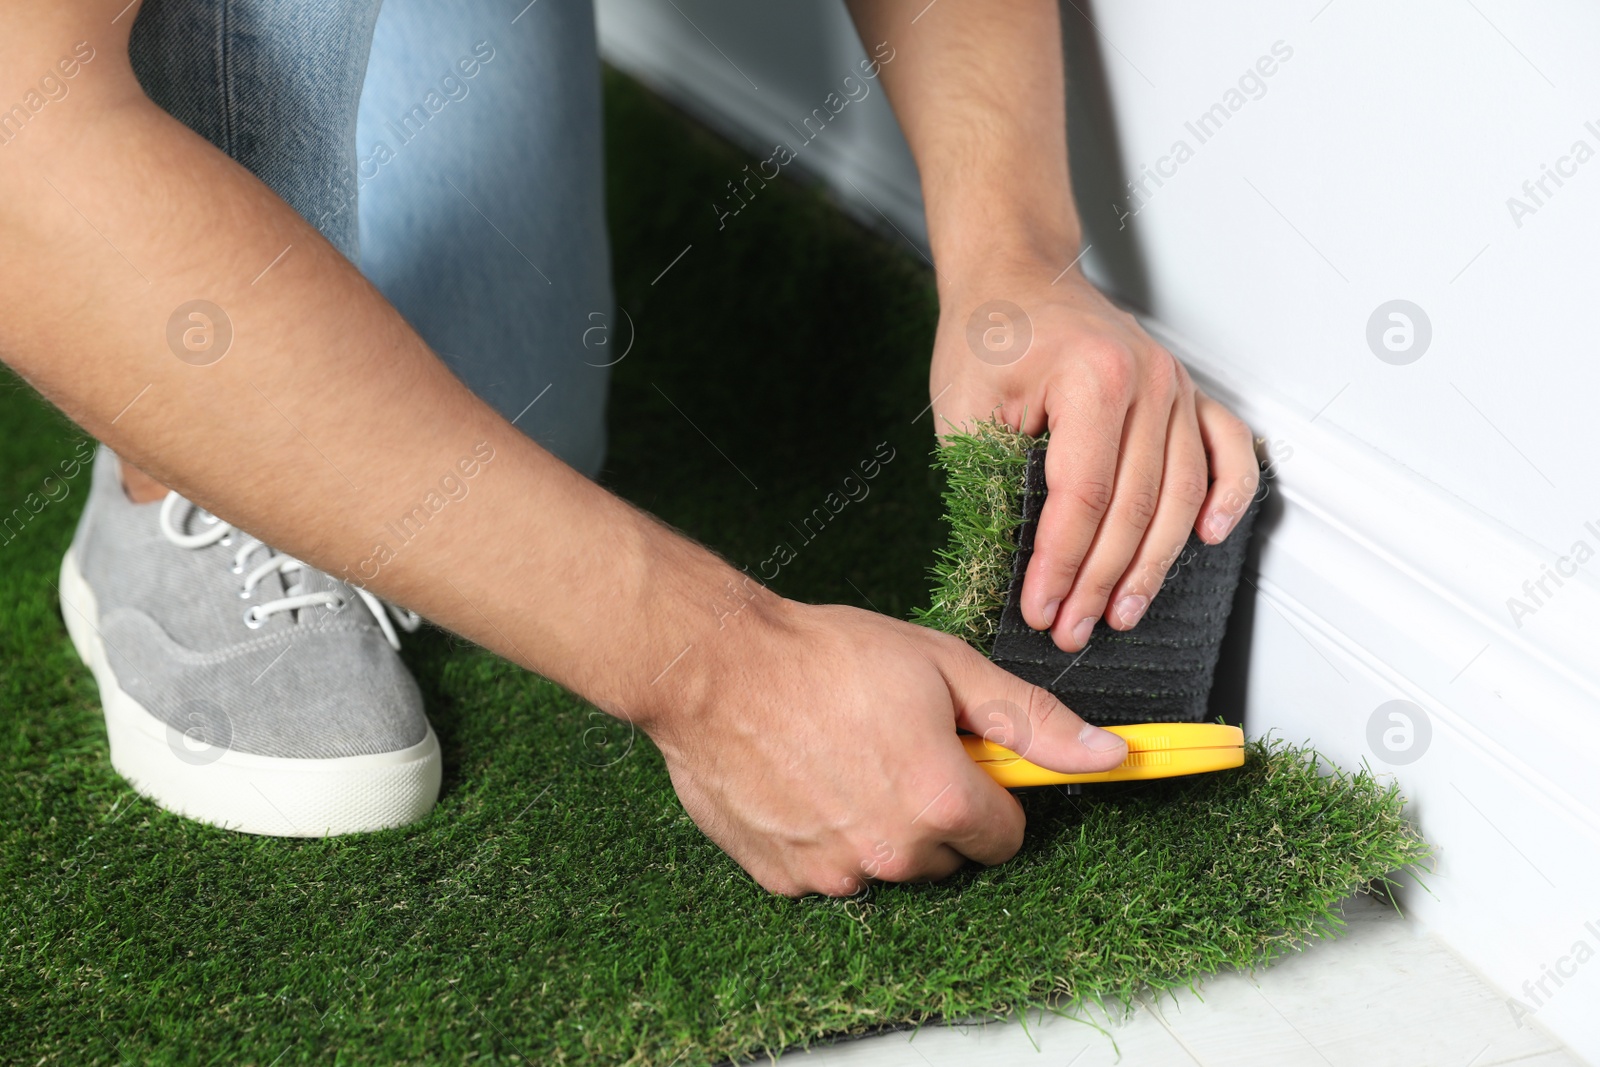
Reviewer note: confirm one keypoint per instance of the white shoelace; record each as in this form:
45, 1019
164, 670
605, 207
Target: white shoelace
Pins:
276, 562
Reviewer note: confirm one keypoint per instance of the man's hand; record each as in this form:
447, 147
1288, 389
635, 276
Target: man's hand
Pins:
1138, 456
823, 751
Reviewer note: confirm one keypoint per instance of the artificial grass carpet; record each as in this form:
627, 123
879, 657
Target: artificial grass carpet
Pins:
984, 469
558, 906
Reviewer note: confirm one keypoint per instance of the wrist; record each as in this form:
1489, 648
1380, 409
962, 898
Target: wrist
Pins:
696, 623
995, 241
731, 649
737, 650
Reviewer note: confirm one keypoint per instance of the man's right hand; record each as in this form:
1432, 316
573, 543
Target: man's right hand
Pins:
816, 745
823, 752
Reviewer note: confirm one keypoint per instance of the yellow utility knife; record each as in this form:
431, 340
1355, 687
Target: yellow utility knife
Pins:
1155, 750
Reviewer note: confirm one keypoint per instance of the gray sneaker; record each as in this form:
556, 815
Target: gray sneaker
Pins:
242, 687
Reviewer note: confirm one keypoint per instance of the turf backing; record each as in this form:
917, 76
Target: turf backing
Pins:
558, 906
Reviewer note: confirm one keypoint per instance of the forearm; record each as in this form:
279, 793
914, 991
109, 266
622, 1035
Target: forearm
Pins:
980, 94
328, 421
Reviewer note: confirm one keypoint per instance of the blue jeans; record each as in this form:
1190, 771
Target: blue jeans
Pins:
453, 150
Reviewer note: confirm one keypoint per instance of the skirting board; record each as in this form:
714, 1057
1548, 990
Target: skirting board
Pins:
1371, 585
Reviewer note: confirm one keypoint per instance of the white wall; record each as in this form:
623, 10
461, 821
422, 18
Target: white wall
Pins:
1391, 141
1375, 165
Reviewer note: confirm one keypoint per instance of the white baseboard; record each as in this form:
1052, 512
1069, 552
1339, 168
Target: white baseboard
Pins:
1371, 585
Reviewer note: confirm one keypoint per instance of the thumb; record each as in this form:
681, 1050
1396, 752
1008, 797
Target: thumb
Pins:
1005, 710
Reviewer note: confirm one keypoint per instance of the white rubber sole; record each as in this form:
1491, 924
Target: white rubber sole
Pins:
237, 790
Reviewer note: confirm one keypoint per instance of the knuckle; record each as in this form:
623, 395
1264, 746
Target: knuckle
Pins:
944, 644
1188, 485
1094, 493
1013, 845
1111, 359
1235, 430
841, 883
954, 811
1008, 840
1137, 505
1097, 584
781, 885
1064, 572
1165, 377
1185, 382
1042, 706
895, 869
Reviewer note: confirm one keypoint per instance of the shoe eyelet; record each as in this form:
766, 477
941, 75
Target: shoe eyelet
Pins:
237, 568
227, 541
245, 594
252, 620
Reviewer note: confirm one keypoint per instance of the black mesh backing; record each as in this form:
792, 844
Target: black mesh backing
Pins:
1161, 670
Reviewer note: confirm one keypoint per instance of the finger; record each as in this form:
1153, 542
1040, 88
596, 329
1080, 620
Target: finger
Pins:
1235, 473
1136, 498
886, 864
1080, 464
968, 812
1183, 490
971, 813
1002, 708
945, 862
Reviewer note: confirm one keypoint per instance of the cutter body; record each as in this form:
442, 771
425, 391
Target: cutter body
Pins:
1155, 750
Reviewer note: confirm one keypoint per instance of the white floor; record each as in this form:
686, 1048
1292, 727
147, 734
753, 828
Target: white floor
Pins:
1381, 994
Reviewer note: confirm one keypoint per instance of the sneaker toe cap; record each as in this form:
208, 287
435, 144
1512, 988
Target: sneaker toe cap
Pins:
317, 694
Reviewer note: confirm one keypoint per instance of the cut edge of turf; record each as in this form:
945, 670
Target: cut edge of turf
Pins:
984, 470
